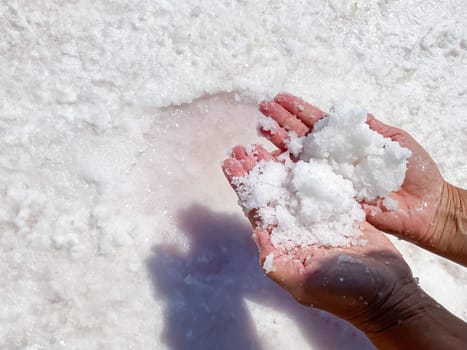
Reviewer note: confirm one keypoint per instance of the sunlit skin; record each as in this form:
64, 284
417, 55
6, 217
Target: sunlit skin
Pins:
374, 288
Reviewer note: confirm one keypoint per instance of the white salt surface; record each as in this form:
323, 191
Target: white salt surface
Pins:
314, 201
94, 172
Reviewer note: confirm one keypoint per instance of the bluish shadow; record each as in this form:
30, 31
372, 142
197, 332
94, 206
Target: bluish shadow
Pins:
204, 290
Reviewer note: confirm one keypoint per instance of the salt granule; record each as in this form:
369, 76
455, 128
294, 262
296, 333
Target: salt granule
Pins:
343, 258
294, 144
390, 204
268, 265
267, 124
314, 201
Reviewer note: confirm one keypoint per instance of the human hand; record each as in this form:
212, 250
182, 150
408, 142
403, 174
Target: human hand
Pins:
358, 283
425, 200
431, 212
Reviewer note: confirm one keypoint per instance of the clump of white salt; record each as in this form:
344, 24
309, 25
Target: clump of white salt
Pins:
314, 201
294, 144
267, 124
268, 265
375, 165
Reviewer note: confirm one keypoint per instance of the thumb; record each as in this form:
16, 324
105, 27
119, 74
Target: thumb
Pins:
383, 219
383, 129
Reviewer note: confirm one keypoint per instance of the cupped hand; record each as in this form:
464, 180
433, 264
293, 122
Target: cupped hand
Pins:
358, 283
420, 215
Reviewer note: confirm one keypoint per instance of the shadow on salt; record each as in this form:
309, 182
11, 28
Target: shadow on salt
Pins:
205, 290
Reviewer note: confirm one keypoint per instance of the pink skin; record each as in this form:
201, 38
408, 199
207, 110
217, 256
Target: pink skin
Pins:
355, 288
419, 196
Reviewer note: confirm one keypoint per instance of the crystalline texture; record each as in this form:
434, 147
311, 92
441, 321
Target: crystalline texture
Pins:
314, 201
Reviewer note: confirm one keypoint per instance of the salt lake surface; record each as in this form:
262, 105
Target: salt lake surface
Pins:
117, 228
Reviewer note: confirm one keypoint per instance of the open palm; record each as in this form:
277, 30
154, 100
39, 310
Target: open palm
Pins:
355, 283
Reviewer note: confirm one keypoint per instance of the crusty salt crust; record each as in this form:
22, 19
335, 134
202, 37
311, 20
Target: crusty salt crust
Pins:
314, 201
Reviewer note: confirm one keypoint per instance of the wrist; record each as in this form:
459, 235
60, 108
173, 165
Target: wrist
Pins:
448, 231
403, 303
411, 319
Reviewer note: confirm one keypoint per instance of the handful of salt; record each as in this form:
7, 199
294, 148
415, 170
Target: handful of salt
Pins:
315, 200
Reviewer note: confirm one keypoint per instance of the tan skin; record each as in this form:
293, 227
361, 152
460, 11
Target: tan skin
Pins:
372, 286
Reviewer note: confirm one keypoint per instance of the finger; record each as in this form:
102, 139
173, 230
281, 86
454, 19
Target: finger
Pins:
395, 134
381, 218
277, 136
247, 160
276, 153
306, 112
383, 129
233, 168
260, 154
288, 121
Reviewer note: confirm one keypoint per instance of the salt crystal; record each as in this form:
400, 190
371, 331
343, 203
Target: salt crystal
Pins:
268, 265
294, 144
343, 258
267, 124
390, 204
